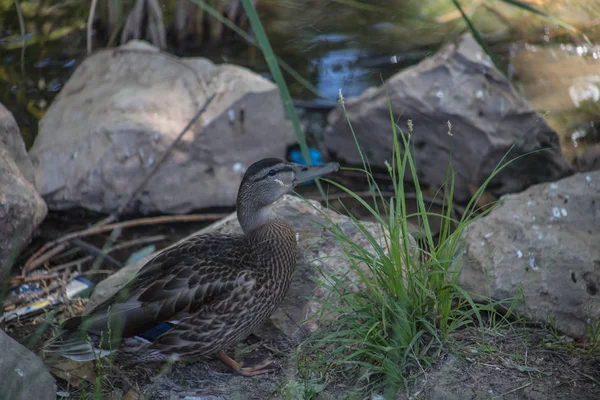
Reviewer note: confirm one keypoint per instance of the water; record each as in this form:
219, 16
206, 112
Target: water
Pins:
332, 44
331, 62
46, 70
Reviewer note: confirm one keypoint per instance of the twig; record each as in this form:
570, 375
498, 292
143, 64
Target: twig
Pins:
165, 154
90, 22
22, 28
39, 257
123, 245
98, 271
135, 242
47, 256
107, 220
112, 238
90, 248
71, 264
24, 279
513, 390
66, 254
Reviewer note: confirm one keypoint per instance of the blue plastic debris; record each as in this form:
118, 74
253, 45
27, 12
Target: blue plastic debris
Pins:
33, 303
315, 159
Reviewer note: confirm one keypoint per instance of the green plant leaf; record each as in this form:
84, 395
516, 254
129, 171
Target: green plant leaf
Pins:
476, 34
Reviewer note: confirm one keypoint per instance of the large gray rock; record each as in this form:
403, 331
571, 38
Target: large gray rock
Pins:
544, 241
21, 207
122, 109
11, 140
458, 84
24, 376
21, 210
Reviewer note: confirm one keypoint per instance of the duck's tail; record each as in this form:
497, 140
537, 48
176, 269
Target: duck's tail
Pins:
80, 345
75, 347
75, 344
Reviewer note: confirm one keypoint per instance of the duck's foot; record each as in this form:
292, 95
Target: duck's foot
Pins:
245, 371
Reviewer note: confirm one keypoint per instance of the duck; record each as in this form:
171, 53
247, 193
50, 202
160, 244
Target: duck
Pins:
197, 298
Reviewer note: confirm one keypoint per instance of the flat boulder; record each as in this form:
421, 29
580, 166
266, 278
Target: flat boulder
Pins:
487, 115
22, 209
24, 375
543, 242
121, 110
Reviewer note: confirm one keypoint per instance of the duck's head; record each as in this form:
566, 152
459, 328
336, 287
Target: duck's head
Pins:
266, 181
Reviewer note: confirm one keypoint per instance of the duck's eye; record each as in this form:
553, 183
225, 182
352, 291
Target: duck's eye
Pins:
272, 172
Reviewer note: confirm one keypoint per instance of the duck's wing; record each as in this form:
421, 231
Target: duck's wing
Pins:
178, 281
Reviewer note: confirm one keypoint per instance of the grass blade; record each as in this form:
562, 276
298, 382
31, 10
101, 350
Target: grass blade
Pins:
285, 66
476, 34
271, 59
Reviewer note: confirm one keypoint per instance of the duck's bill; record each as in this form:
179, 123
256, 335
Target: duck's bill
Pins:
305, 173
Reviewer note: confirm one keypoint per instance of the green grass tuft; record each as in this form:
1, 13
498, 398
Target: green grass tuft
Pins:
394, 321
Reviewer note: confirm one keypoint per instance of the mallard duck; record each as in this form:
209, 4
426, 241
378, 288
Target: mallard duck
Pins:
205, 293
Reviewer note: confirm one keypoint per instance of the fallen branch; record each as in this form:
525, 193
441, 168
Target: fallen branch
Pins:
24, 279
98, 271
123, 245
93, 250
70, 264
43, 257
53, 272
39, 257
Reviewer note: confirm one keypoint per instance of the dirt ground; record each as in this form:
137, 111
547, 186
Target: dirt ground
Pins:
517, 363
513, 363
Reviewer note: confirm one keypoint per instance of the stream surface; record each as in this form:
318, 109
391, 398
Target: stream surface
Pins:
332, 44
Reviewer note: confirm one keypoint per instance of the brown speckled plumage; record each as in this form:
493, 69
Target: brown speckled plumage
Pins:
221, 296
215, 288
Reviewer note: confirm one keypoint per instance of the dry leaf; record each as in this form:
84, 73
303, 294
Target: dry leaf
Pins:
131, 395
74, 372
